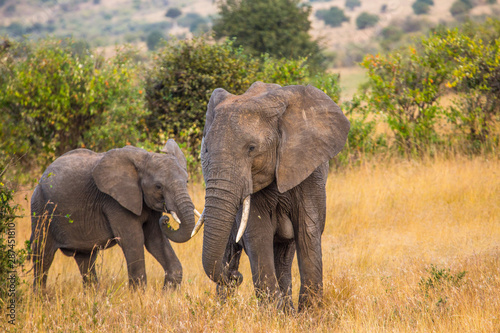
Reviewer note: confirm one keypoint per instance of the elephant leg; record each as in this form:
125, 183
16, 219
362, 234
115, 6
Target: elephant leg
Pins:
283, 259
86, 264
43, 255
231, 262
130, 237
258, 242
308, 225
159, 246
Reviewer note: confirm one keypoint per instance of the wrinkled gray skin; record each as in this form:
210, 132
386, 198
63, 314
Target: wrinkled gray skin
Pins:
274, 143
93, 201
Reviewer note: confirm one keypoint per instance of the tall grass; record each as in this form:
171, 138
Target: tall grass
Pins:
408, 247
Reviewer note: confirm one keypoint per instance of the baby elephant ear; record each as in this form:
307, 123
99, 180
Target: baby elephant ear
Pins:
172, 148
313, 130
116, 175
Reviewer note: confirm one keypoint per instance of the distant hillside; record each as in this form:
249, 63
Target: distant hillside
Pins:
110, 22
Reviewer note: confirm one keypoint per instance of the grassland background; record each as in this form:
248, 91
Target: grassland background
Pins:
398, 236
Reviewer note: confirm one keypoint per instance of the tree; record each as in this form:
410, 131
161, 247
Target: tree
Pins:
351, 4
420, 7
154, 38
173, 13
333, 16
185, 73
366, 20
276, 27
459, 8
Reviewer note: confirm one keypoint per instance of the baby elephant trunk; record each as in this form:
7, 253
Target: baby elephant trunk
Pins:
183, 214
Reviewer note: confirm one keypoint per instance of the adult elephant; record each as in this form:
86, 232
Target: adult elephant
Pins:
265, 162
87, 201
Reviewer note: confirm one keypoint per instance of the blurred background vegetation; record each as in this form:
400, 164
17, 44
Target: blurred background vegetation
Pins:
96, 75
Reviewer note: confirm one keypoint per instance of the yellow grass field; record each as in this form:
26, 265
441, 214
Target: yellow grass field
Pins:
408, 247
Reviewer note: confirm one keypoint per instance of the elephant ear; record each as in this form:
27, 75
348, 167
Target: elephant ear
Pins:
218, 96
116, 175
313, 130
173, 149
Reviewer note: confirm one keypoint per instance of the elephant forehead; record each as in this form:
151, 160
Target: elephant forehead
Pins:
165, 165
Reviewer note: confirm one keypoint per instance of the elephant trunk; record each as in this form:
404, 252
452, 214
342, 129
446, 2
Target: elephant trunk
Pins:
221, 206
184, 209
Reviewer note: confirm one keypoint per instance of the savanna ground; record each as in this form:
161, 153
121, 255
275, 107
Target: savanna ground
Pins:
408, 246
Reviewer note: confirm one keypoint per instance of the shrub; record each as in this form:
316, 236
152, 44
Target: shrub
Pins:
420, 7
185, 73
54, 96
333, 16
475, 79
10, 257
154, 39
404, 88
459, 8
173, 13
194, 21
366, 20
351, 4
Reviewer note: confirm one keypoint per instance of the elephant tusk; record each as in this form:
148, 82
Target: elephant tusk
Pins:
244, 218
197, 213
176, 218
199, 223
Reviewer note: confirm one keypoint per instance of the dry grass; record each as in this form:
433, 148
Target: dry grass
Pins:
397, 240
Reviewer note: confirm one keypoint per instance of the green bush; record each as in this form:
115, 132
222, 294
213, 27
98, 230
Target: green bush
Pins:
351, 4
475, 80
366, 20
195, 22
185, 73
55, 93
460, 8
173, 13
404, 88
333, 17
154, 39
10, 256
420, 7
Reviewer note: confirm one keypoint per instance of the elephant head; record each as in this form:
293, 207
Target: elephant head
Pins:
270, 133
134, 177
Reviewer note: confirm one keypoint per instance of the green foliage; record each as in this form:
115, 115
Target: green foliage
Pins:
154, 39
333, 16
277, 27
439, 282
366, 20
185, 73
10, 257
362, 140
390, 36
405, 85
351, 4
460, 8
420, 7
195, 22
475, 80
56, 92
181, 80
404, 88
173, 13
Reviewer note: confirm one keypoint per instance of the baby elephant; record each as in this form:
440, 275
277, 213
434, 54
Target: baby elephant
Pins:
87, 201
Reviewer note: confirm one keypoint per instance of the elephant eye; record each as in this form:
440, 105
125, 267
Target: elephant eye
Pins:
158, 186
251, 149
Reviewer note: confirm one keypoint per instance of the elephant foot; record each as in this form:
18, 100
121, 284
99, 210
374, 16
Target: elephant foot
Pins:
172, 280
